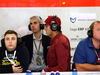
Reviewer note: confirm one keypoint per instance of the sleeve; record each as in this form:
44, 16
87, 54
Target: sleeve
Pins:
63, 58
80, 54
24, 59
6, 69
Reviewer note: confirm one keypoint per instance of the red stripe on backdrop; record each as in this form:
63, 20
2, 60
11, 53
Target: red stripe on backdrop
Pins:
49, 3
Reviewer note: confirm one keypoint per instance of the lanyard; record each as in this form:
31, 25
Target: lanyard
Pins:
38, 60
38, 50
12, 57
97, 54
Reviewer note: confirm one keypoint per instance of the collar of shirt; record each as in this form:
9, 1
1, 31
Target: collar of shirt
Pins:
36, 39
54, 38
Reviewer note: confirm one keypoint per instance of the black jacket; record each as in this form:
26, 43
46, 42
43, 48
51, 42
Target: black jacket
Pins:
28, 39
21, 59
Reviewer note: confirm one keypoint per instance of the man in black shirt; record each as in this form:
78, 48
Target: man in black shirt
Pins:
37, 44
14, 57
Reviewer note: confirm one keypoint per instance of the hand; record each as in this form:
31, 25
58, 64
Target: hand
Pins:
17, 69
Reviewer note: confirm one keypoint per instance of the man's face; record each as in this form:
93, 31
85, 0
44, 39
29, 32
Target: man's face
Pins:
35, 26
48, 30
96, 31
10, 42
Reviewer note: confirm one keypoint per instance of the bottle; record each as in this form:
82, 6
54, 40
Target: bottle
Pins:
74, 72
52, 73
28, 72
57, 73
43, 73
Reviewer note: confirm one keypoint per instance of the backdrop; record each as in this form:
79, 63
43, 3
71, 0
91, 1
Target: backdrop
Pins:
76, 16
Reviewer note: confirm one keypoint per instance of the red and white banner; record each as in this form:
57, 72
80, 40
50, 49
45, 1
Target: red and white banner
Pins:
49, 3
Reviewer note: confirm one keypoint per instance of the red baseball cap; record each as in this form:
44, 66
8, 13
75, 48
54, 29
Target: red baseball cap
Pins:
53, 19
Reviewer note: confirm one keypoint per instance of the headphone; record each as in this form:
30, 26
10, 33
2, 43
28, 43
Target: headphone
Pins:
19, 41
54, 25
90, 32
41, 25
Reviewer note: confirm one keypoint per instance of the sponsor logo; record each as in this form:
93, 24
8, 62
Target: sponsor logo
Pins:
82, 17
72, 19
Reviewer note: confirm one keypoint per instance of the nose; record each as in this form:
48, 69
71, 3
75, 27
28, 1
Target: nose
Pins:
10, 41
32, 25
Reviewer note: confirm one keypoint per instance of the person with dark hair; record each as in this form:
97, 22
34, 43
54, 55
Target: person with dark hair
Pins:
37, 44
58, 57
14, 57
87, 54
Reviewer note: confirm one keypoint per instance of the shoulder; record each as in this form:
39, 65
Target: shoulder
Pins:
81, 51
84, 41
27, 36
63, 39
22, 52
2, 48
22, 48
83, 45
46, 37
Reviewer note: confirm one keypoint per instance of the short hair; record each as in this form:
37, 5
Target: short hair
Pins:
38, 18
10, 32
92, 25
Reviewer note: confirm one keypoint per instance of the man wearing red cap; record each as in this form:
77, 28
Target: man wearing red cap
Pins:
58, 57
